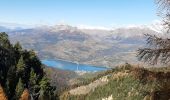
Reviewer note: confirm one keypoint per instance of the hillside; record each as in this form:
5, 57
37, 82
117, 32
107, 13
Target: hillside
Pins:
60, 78
125, 83
22, 74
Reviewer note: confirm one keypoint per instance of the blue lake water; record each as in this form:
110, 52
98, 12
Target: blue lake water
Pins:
64, 65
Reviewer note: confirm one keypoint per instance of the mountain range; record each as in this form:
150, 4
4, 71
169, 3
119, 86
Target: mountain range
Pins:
99, 47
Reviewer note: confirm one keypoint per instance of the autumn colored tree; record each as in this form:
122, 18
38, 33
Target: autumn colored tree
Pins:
2, 94
25, 95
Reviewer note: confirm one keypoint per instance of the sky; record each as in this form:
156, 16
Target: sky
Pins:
78, 12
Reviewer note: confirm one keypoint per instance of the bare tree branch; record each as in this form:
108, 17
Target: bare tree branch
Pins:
159, 48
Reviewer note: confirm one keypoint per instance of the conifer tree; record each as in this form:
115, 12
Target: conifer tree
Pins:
21, 66
18, 51
22, 69
18, 46
19, 89
11, 82
33, 87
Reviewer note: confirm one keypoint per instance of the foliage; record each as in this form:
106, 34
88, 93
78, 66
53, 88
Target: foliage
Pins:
19, 89
138, 84
21, 69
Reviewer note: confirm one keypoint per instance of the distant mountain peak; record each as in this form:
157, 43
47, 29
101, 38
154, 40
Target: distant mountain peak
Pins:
64, 27
92, 27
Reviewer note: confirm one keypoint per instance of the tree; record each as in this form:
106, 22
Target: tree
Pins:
5, 57
18, 46
33, 87
18, 51
11, 82
33, 78
159, 47
21, 69
4, 41
19, 89
46, 90
21, 66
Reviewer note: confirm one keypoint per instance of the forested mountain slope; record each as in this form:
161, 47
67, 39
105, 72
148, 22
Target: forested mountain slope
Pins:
126, 82
21, 72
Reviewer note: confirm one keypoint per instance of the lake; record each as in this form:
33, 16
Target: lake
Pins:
64, 65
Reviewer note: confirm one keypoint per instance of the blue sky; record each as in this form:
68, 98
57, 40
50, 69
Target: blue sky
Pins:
78, 12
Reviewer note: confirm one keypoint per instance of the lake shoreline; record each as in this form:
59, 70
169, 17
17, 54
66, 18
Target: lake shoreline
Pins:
73, 66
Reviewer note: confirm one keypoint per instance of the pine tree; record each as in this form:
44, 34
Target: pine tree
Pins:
18, 51
33, 87
18, 46
46, 91
4, 41
21, 69
11, 82
19, 89
21, 66
43, 88
5, 57
32, 77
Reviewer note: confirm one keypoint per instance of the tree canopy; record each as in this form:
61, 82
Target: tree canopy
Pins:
22, 70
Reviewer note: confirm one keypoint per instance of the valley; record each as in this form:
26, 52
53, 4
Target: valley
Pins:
86, 46
85, 50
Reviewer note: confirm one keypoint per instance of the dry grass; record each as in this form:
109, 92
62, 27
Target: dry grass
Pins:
120, 74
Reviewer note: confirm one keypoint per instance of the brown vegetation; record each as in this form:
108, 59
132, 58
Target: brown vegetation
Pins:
141, 73
162, 78
2, 94
25, 95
